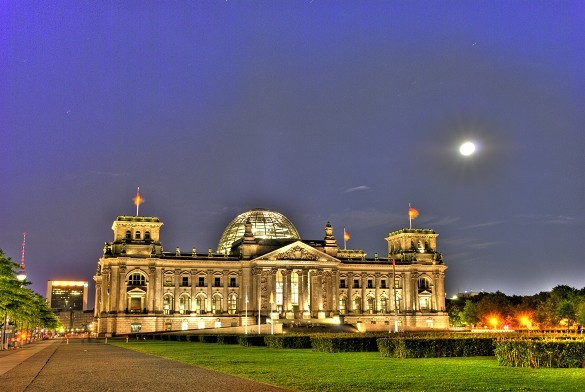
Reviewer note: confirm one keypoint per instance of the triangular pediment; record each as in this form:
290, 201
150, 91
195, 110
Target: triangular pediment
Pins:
136, 290
298, 252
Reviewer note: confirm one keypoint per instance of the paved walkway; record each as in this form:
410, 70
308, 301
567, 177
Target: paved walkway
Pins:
54, 365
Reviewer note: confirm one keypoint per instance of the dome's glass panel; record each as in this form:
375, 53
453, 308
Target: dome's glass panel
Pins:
265, 224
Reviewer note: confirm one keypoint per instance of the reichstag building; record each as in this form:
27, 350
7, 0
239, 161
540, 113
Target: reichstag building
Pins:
263, 272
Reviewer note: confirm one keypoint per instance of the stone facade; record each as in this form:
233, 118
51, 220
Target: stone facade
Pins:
141, 287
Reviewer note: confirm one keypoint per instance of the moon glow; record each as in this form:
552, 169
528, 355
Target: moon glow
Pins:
467, 148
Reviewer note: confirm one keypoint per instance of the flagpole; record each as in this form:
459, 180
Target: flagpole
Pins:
344, 239
409, 217
138, 202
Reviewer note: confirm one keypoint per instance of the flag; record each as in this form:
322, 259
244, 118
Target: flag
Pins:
412, 213
346, 236
138, 200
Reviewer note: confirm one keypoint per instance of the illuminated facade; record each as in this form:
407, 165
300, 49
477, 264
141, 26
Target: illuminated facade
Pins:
65, 295
263, 268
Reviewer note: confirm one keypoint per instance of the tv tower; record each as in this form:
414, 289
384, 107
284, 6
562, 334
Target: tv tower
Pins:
21, 276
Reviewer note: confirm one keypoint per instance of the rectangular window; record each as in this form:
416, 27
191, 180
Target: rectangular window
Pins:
201, 282
184, 281
233, 282
383, 283
370, 284
356, 283
341, 283
217, 282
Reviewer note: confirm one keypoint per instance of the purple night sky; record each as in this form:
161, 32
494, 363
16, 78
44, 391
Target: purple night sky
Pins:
341, 111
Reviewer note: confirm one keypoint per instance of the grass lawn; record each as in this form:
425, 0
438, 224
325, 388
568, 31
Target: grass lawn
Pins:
305, 370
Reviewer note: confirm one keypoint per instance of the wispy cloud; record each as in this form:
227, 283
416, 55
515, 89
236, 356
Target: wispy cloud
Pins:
485, 224
357, 188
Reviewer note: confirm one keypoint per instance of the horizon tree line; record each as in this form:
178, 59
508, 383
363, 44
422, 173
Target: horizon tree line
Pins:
561, 308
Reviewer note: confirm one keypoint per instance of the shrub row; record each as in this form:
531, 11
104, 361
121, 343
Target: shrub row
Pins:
288, 341
251, 340
541, 353
352, 343
436, 347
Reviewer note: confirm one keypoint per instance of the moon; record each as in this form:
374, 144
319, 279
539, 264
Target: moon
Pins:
467, 149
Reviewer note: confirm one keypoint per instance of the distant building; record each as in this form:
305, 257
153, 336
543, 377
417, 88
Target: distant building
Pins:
263, 269
67, 295
68, 300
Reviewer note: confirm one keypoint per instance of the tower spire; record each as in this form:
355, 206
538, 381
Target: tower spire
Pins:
21, 271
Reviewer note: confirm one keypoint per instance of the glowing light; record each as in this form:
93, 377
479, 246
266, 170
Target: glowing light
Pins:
467, 149
494, 321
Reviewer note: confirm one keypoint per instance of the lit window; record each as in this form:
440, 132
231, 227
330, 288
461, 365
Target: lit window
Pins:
232, 304
294, 288
423, 284
136, 279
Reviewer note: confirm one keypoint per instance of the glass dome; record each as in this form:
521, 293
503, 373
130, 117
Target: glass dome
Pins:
265, 224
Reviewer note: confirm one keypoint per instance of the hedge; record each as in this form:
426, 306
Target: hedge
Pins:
436, 347
288, 341
227, 339
541, 353
347, 343
251, 340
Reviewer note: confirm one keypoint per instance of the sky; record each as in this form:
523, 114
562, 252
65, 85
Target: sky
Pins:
340, 111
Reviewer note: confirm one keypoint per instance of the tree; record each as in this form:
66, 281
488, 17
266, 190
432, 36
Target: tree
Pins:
469, 315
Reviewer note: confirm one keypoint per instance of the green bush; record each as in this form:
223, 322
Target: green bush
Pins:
541, 353
227, 339
344, 343
426, 347
208, 338
288, 341
251, 340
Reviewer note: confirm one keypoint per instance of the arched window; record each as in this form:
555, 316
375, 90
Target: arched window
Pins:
168, 304
128, 235
147, 235
136, 279
137, 235
184, 304
200, 303
383, 304
357, 304
232, 304
343, 304
216, 303
371, 304
423, 285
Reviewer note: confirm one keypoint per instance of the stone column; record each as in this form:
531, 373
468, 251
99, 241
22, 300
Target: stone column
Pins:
334, 289
305, 291
286, 300
406, 297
